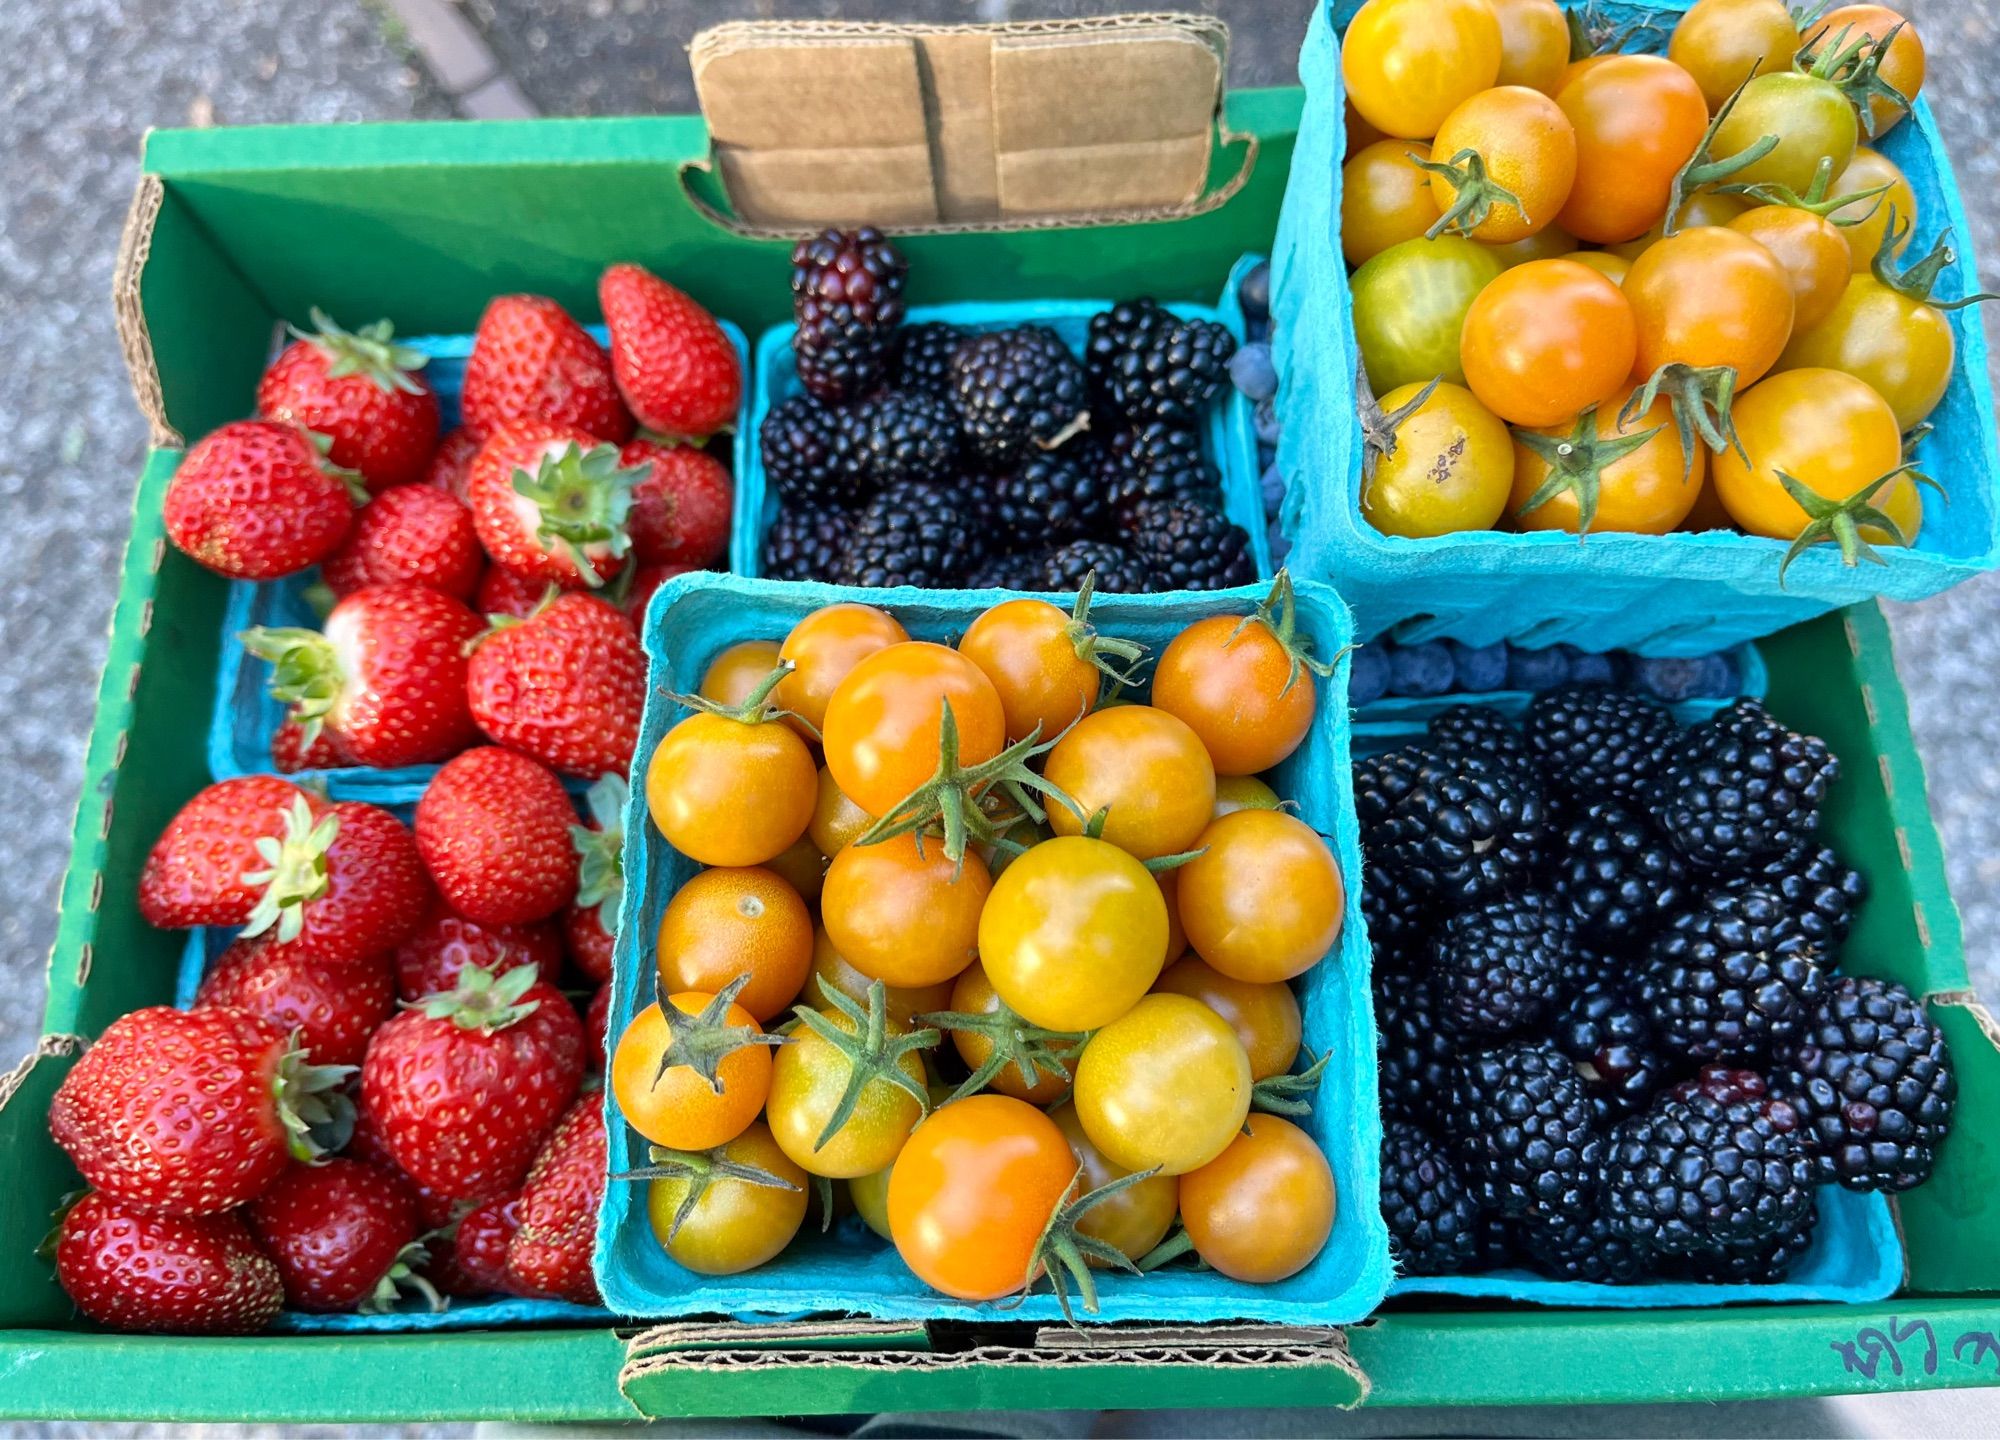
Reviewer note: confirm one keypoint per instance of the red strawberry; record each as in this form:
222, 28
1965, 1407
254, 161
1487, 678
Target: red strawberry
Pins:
592, 920
334, 1008
192, 1112
550, 502
550, 1253
676, 369
362, 392
412, 533
503, 592
434, 1211
292, 753
429, 962
597, 1023
531, 361
343, 1235
680, 510
463, 1089
494, 830
136, 1269
386, 676
451, 463
254, 501
645, 580
472, 1260
564, 686
197, 872
342, 885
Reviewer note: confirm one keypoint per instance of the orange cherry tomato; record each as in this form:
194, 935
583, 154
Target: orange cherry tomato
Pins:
973, 994
1723, 42
1134, 1220
736, 1225
1360, 134
1239, 688
1262, 1209
1638, 118
726, 792
1710, 297
728, 922
906, 918
677, 1107
1903, 67
1164, 1086
1264, 900
1548, 340
1813, 251
1826, 430
1648, 492
824, 647
802, 867
1529, 149
1384, 199
737, 671
1146, 768
1036, 655
1865, 239
870, 1194
1410, 63
1264, 1016
884, 722
830, 971
1534, 43
1170, 888
837, 821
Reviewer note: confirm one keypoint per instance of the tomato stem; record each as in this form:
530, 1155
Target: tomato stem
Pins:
872, 1053
1920, 281
756, 708
1477, 193
1167, 1251
1703, 400
1065, 1250
1031, 1050
1112, 657
1817, 200
1379, 430
701, 1169
1703, 171
1854, 67
1278, 613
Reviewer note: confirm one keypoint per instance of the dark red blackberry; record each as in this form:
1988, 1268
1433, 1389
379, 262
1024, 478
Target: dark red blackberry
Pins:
1524, 1132
1610, 1041
1053, 494
1416, 1054
1497, 969
1872, 1082
1599, 744
1431, 1214
1694, 1175
1734, 977
1768, 1262
810, 454
1016, 391
1618, 875
923, 357
1189, 545
1821, 890
911, 534
1146, 362
847, 297
1465, 835
906, 436
1173, 477
1741, 788
1006, 570
1733, 1086
806, 542
1586, 1249
1119, 571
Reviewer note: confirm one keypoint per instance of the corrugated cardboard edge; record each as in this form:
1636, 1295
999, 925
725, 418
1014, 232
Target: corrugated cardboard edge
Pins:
135, 244
48, 1047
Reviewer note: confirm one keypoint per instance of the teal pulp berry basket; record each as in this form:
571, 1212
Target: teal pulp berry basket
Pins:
245, 716
851, 1270
1682, 594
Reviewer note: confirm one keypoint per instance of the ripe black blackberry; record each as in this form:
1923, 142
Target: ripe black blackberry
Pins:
1016, 391
1381, 782
811, 454
911, 534
1524, 1132
1053, 494
1872, 1082
1497, 969
1733, 977
1765, 1263
1005, 570
1596, 743
1610, 1041
1152, 442
1119, 571
1189, 545
1416, 1055
1741, 788
906, 435
1146, 362
847, 297
1587, 1249
1819, 888
1399, 918
1431, 1214
1618, 875
1464, 835
1476, 737
923, 357
1694, 1175
1134, 483
807, 541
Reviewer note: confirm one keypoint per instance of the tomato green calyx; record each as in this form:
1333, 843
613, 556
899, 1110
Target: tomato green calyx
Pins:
1703, 171
1577, 462
582, 498
702, 1042
316, 1112
1065, 1251
484, 1001
1817, 199
756, 708
1287, 1094
1379, 429
1919, 282
823, 1193
600, 848
872, 1053
296, 871
1840, 522
1160, 864
1109, 656
1169, 1250
1592, 33
1031, 1050
1854, 67
1278, 613
372, 351
1703, 400
700, 1169
305, 672
404, 1273
1477, 192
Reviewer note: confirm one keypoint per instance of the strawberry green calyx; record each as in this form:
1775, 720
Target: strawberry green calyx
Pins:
702, 1042
1841, 522
1920, 281
600, 850
295, 873
1702, 399
582, 498
700, 1169
1064, 1252
1577, 462
1475, 192
371, 351
316, 1112
1853, 66
1031, 1050
1110, 657
872, 1053
1278, 612
1286, 1094
305, 672
1704, 172
483, 1001
46, 1249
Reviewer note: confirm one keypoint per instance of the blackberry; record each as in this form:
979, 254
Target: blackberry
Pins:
1399, 918
1619, 877
1610, 1041
1474, 732
1189, 545
1767, 1262
1496, 1244
1172, 477
1497, 969
911, 534
906, 436
1119, 571
1596, 744
1733, 977
1006, 570
1153, 442
1587, 1249
923, 357
806, 542
1381, 782
1016, 390
1741, 788
1524, 1131
1464, 836
1431, 1215
1052, 493
1737, 1087
1872, 1082
1820, 890
1416, 1055
1145, 361
847, 297
811, 455
1694, 1175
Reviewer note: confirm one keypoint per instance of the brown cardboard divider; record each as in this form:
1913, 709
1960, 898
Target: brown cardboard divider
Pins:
135, 342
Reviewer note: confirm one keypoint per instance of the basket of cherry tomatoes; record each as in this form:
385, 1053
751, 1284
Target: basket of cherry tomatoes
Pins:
1655, 320
986, 953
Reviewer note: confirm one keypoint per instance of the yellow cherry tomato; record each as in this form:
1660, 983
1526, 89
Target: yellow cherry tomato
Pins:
1164, 1086
1528, 148
1410, 63
1243, 792
1828, 431
1449, 471
736, 1225
1384, 199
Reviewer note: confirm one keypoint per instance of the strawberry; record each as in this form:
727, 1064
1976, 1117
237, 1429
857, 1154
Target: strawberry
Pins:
332, 1008
361, 391
645, 580
472, 1259
386, 675
193, 1112
410, 534
597, 1023
494, 830
291, 752
434, 1211
342, 885
676, 369
592, 920
531, 361
343, 1235
463, 1089
198, 870
254, 501
550, 503
429, 962
564, 686
451, 463
137, 1269
550, 1253
503, 592
681, 508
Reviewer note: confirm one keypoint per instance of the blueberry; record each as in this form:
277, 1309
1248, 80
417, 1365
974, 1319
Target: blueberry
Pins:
1367, 675
1588, 669
1701, 677
1267, 455
1253, 292
1421, 670
1480, 669
1251, 370
1272, 487
1265, 417
1536, 669
1281, 544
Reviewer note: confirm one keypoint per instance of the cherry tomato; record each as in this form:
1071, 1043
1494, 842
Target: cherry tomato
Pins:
1903, 67
1360, 134
808, 1078
1145, 768
1264, 1016
1811, 119
824, 647
1449, 470
677, 1107
904, 917
1709, 297
1813, 251
1410, 63
1549, 243
728, 922
1384, 199
1409, 309
1170, 889
1529, 149
830, 971
737, 671
1705, 207
1243, 792
837, 822
1721, 42
973, 994
1264, 899
1074, 933
1534, 43
802, 867
727, 792
1866, 238
1164, 1086
1708, 513
1612, 267
1826, 430
870, 1194
1900, 346
1648, 492
1241, 687
883, 724
1638, 118
1035, 655
1134, 1220
736, 1225
1262, 1209
972, 1193
1547, 341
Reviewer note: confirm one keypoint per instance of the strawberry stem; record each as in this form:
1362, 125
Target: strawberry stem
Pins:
316, 1112
581, 498
600, 848
305, 672
484, 1001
